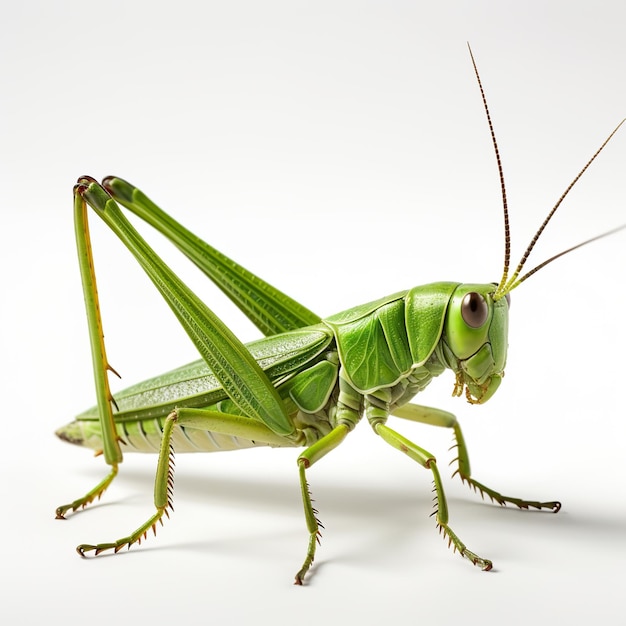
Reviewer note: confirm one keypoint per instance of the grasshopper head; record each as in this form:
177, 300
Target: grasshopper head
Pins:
476, 333
477, 319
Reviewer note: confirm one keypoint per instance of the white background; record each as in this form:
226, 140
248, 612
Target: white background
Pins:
340, 150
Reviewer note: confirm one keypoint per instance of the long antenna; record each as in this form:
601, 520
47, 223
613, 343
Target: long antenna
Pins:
512, 282
505, 209
508, 284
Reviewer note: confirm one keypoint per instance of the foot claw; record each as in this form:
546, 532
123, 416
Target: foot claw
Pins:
83, 547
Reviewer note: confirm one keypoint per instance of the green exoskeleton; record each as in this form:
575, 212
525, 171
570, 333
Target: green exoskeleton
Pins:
308, 382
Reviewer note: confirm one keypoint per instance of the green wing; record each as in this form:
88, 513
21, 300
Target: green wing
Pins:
194, 385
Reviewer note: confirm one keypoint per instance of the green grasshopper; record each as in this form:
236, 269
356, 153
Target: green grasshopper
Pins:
309, 381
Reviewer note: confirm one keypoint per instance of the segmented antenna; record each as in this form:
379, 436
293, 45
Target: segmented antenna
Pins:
508, 284
556, 256
514, 282
505, 208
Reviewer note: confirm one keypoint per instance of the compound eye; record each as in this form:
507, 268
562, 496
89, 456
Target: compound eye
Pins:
474, 310
507, 296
